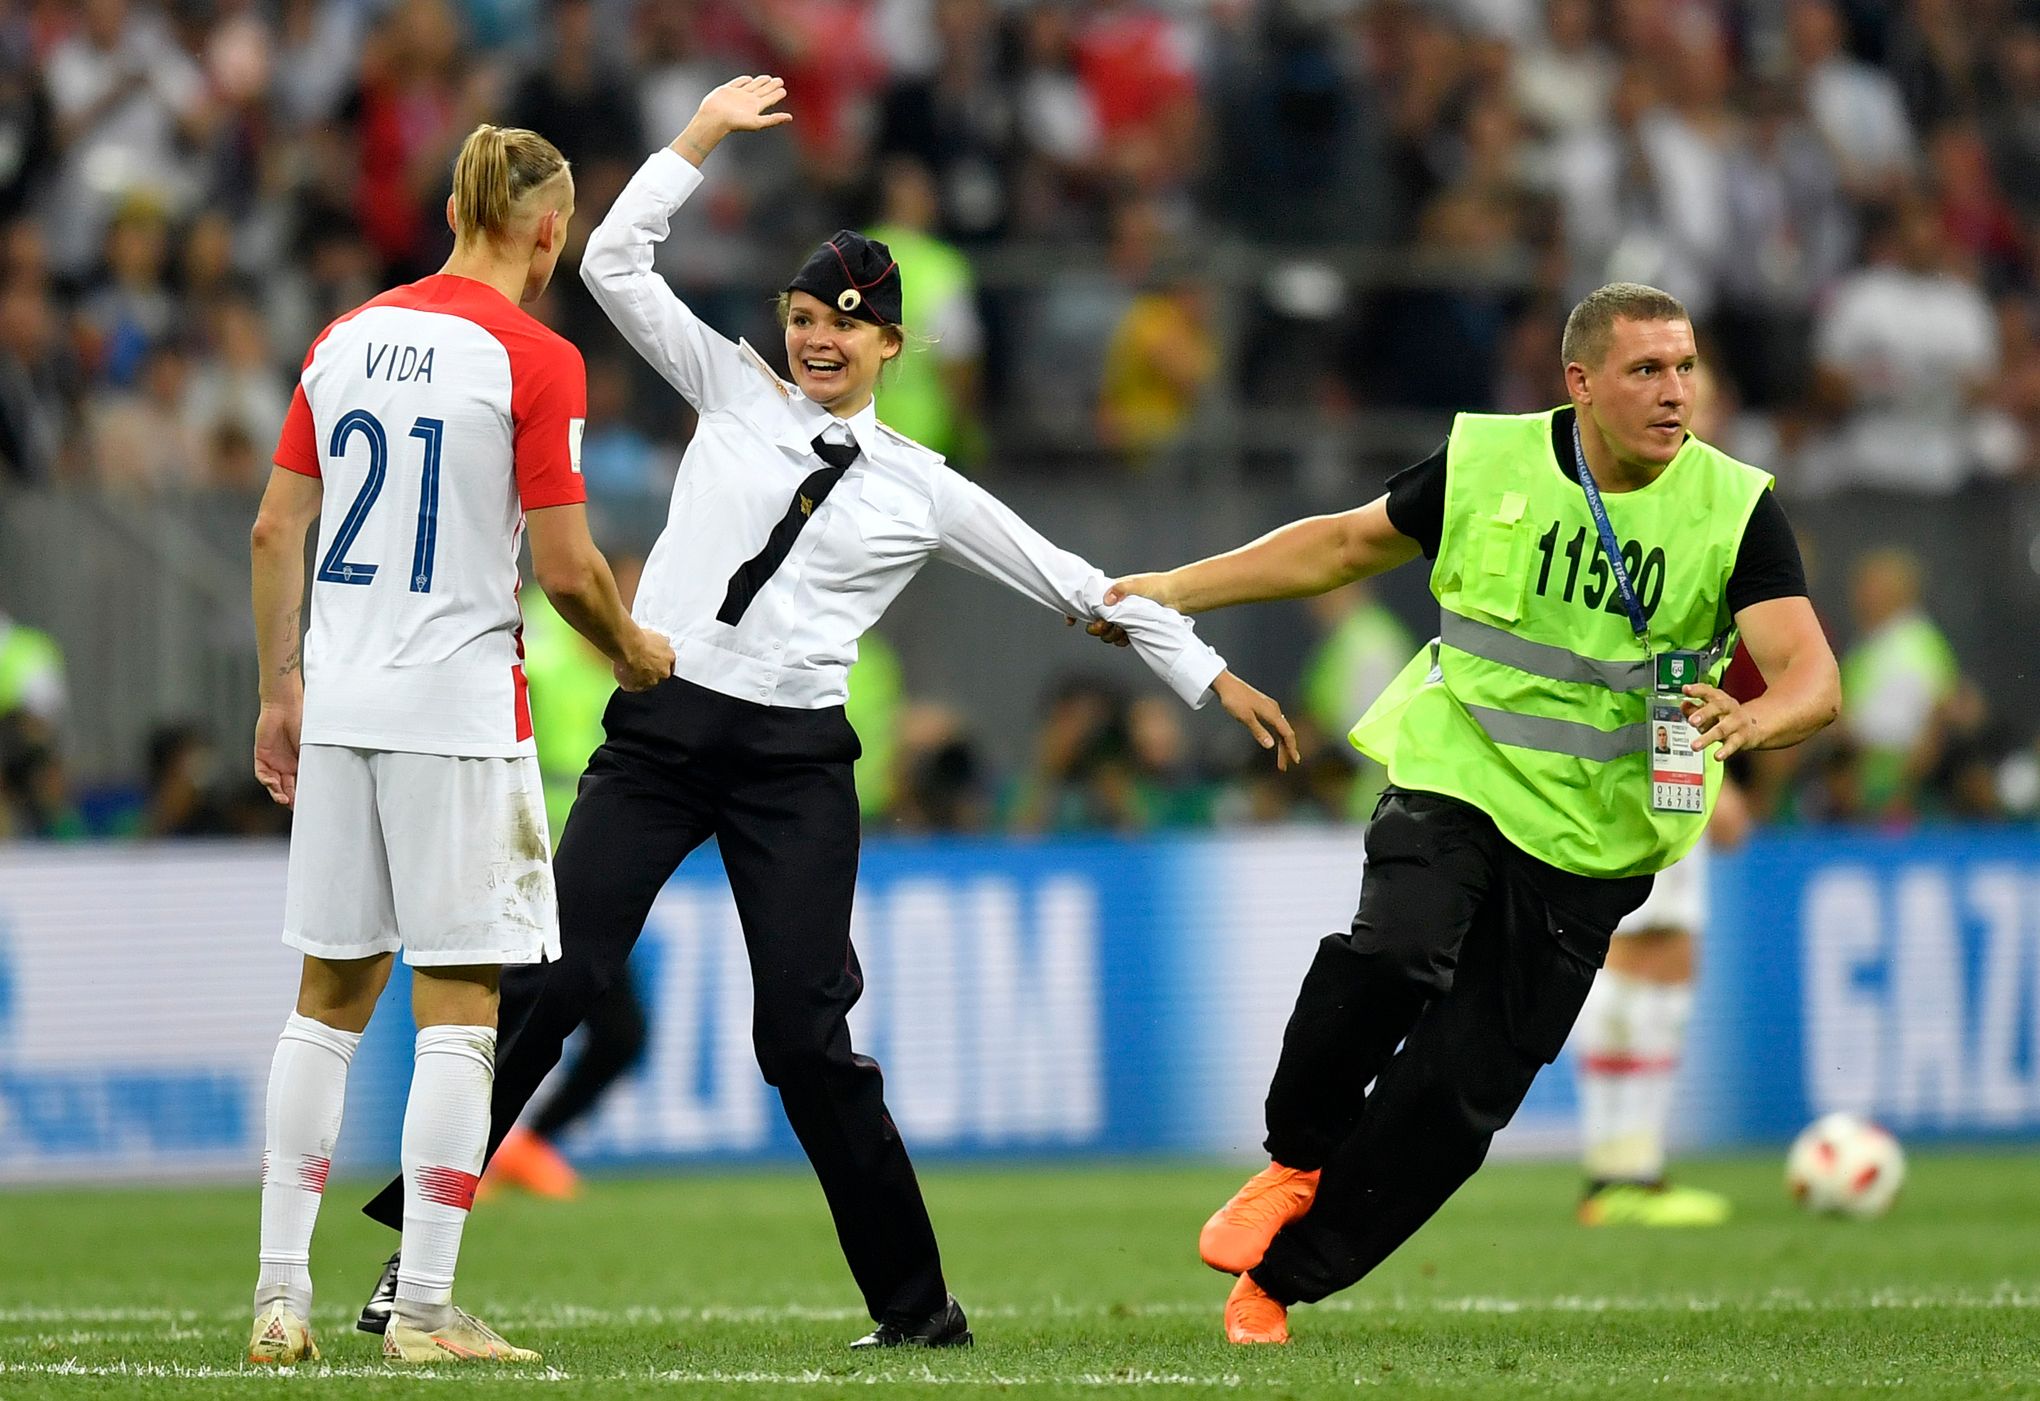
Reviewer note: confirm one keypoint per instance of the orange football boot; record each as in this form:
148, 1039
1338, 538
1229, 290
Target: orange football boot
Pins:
1237, 1235
1252, 1317
528, 1161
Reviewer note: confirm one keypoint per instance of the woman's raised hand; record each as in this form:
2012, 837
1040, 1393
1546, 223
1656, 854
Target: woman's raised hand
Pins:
741, 104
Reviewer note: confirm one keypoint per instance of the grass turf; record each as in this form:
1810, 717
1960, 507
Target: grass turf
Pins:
1079, 1282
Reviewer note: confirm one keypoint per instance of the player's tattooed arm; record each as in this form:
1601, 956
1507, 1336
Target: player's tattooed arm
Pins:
277, 554
294, 664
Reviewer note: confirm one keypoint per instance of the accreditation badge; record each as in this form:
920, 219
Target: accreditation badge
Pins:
1678, 780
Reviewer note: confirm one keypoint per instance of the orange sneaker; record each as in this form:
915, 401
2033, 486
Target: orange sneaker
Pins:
528, 1161
1252, 1317
1237, 1235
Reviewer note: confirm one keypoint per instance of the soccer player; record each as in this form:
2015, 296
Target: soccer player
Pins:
1630, 1038
797, 517
1592, 566
443, 417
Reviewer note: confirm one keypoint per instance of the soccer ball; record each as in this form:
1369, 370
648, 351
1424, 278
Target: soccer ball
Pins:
1842, 1164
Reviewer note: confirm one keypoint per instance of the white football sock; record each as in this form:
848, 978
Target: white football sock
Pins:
446, 1134
1659, 1013
1632, 1033
307, 1092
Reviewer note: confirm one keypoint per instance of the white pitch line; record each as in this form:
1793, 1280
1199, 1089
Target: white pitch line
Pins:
922, 1377
2005, 1296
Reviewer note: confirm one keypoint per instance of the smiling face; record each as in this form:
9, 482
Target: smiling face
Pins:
1642, 392
835, 357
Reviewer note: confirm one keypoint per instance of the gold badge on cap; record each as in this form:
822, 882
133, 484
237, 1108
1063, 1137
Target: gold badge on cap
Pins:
849, 299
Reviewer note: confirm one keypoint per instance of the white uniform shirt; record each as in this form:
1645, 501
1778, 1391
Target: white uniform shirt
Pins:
894, 507
436, 415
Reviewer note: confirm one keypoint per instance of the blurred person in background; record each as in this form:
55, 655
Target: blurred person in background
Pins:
1163, 352
131, 307
236, 386
1062, 331
931, 392
129, 103
2012, 120
943, 786
207, 275
748, 741
39, 384
147, 438
34, 781
1935, 52
958, 119
27, 127
875, 709
1792, 233
1438, 346
419, 91
1979, 222
184, 799
1905, 349
31, 675
1138, 67
233, 460
1171, 793
1643, 194
1290, 130
1561, 83
1362, 649
318, 53
1857, 107
586, 95
1079, 777
1058, 133
1902, 687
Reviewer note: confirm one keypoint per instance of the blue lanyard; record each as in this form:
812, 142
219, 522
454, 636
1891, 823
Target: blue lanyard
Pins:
1637, 623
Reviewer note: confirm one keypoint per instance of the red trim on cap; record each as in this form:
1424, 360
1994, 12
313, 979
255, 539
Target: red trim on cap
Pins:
848, 277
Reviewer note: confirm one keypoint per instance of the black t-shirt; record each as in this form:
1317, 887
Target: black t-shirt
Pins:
1767, 563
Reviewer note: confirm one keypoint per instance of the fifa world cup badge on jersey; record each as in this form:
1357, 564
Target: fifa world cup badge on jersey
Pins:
1678, 782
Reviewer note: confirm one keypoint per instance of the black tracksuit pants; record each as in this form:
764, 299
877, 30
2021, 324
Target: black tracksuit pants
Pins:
681, 764
1472, 956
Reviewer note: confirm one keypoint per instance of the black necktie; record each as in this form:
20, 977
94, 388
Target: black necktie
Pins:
752, 574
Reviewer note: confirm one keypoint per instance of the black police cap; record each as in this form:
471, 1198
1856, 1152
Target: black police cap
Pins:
854, 274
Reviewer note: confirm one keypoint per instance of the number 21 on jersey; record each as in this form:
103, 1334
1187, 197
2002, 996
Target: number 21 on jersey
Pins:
335, 567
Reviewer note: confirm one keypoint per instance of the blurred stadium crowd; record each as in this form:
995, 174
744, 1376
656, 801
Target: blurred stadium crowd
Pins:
1847, 195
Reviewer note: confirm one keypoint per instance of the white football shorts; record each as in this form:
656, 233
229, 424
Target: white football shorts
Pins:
1678, 898
447, 858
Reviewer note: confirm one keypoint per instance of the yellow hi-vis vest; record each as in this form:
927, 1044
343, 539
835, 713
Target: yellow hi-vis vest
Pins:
1532, 703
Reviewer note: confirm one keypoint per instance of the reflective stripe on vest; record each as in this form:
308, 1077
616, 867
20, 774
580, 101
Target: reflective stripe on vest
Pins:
1490, 643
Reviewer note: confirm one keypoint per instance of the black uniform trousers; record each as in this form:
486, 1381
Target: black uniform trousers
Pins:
614, 1035
680, 764
1474, 957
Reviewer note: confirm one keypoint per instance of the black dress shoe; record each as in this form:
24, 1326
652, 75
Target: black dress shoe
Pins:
375, 1314
946, 1327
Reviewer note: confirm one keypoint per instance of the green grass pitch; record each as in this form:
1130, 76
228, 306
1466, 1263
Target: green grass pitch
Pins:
1080, 1282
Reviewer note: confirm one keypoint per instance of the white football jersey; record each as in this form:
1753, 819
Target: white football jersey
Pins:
436, 415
